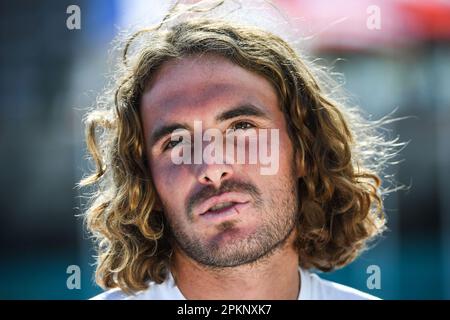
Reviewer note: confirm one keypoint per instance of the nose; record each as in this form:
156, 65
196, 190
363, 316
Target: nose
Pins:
214, 174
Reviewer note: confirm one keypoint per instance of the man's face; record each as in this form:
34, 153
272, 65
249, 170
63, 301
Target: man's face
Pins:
258, 211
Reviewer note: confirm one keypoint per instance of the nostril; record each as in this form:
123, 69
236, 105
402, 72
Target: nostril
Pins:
214, 174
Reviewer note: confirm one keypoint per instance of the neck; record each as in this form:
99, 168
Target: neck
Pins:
273, 277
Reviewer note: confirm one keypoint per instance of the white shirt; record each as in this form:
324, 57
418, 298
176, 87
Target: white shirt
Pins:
312, 288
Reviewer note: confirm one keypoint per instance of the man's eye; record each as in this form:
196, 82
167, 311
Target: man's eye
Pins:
243, 125
173, 142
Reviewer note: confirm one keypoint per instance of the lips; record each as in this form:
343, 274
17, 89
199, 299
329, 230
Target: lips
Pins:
222, 203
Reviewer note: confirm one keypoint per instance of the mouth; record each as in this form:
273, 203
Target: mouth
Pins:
224, 205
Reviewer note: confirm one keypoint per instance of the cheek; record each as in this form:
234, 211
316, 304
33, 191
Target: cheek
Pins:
275, 152
171, 181
286, 151
279, 161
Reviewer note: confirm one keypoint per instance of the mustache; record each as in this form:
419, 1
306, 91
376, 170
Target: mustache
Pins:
227, 186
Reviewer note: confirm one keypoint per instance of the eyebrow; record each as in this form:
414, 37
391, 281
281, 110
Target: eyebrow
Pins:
243, 110
165, 130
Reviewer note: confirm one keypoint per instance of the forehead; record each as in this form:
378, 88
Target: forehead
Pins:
199, 85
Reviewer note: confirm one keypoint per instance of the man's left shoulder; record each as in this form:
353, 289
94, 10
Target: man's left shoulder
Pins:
337, 291
112, 294
322, 289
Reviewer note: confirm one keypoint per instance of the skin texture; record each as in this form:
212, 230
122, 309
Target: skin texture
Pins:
248, 255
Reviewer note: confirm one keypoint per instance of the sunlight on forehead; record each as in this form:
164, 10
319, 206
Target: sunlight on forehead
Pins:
208, 89
192, 95
207, 82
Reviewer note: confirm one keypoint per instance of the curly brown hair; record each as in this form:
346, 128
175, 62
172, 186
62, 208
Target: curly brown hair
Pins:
340, 196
